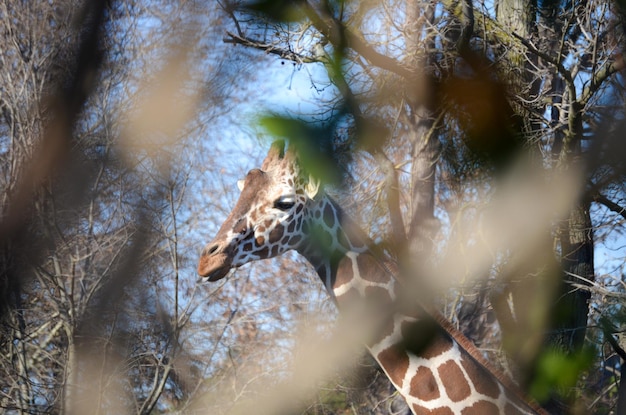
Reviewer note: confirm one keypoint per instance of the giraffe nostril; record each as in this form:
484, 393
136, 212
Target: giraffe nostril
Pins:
211, 250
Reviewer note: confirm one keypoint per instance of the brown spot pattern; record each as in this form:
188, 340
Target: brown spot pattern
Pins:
425, 338
240, 226
276, 233
295, 240
395, 362
384, 330
348, 299
509, 409
454, 381
344, 272
329, 216
275, 250
342, 238
263, 252
481, 408
377, 296
424, 385
326, 239
321, 271
481, 380
292, 226
370, 269
442, 410
439, 344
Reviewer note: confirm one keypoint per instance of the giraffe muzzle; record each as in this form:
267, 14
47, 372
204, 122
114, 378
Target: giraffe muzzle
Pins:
214, 264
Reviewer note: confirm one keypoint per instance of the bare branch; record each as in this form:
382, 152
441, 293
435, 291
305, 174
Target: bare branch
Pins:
606, 71
340, 36
393, 199
270, 48
612, 206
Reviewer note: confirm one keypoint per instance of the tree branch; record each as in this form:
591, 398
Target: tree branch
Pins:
270, 48
392, 189
607, 330
612, 206
488, 29
467, 22
340, 36
606, 71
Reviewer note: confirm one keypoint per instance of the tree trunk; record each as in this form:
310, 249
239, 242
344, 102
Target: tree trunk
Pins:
519, 17
425, 153
572, 307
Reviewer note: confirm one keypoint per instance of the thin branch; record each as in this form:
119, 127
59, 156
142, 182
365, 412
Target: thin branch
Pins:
574, 119
270, 48
392, 188
229, 10
606, 71
340, 36
612, 206
607, 330
548, 58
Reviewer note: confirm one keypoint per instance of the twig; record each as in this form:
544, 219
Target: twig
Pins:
612, 206
270, 48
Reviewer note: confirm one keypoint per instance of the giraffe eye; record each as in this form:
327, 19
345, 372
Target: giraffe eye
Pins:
284, 203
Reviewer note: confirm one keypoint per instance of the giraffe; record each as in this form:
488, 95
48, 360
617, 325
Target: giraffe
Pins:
434, 367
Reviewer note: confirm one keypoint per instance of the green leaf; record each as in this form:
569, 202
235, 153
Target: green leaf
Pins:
311, 142
283, 127
559, 371
285, 11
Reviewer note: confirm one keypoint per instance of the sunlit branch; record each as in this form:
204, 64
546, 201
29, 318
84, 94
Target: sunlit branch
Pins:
270, 48
339, 35
605, 72
574, 119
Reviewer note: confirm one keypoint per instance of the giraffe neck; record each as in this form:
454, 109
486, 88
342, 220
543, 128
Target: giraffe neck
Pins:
423, 361
331, 239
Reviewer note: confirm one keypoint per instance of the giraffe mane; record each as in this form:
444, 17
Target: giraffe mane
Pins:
281, 157
275, 155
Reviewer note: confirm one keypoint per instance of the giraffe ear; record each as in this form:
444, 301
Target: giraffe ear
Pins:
312, 187
241, 184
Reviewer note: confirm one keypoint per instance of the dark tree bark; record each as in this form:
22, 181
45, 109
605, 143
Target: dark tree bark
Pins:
572, 307
425, 152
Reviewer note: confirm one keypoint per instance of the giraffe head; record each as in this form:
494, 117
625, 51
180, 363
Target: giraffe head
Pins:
267, 219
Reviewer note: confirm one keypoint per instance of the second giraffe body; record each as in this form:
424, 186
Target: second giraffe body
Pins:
280, 209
